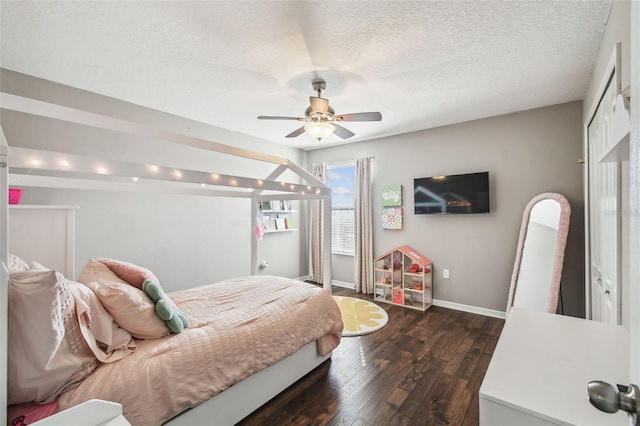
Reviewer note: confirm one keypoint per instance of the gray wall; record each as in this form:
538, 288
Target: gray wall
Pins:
190, 240
185, 240
526, 153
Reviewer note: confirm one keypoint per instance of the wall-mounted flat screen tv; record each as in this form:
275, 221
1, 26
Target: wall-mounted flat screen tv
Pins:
452, 194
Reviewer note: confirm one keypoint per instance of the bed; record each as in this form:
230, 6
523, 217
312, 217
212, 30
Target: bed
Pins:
238, 327
262, 376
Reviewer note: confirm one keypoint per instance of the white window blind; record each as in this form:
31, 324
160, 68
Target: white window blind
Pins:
341, 180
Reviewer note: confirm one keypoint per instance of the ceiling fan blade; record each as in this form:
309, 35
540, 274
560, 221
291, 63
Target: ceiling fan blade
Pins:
271, 117
360, 116
342, 132
295, 133
319, 105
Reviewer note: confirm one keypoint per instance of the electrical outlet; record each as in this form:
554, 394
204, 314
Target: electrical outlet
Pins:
445, 274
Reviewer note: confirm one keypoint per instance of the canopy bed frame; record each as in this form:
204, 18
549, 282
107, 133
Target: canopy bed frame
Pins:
241, 399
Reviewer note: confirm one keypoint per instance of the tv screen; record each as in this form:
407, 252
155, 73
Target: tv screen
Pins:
453, 194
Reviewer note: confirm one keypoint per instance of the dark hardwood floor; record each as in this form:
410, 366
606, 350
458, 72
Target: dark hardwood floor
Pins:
423, 368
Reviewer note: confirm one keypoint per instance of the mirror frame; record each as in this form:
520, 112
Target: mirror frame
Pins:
561, 242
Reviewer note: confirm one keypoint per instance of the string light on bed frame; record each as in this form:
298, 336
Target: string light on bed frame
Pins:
46, 163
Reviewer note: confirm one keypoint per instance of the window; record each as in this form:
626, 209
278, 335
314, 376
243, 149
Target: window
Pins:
340, 179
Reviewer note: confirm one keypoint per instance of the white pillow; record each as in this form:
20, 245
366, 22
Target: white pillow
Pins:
35, 266
16, 264
58, 333
47, 353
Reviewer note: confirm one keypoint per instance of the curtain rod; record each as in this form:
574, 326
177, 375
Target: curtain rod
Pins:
338, 163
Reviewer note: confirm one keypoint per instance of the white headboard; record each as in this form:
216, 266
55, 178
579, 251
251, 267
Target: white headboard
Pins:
4, 273
45, 234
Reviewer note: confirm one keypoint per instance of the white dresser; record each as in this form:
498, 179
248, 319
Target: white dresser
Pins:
542, 363
91, 412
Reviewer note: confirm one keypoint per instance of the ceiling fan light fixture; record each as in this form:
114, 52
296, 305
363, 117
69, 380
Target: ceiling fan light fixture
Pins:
319, 130
321, 119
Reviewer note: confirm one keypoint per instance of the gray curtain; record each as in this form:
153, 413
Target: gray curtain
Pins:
364, 233
316, 241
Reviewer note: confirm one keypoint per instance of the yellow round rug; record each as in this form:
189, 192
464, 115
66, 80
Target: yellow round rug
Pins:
360, 316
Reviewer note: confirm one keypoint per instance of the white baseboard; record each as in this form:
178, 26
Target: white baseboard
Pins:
343, 284
468, 308
442, 303
336, 283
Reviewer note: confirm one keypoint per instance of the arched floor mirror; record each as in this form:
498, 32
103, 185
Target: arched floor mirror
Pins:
535, 283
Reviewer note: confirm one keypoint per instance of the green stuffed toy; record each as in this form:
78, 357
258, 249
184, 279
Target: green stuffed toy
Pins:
175, 319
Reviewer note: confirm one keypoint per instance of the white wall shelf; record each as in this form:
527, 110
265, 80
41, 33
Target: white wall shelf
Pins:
619, 132
278, 219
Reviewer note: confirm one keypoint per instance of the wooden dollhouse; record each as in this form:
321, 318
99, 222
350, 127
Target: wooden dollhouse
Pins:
404, 277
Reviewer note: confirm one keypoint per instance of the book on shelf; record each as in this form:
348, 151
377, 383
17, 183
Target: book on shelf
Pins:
269, 224
280, 224
265, 205
288, 221
398, 296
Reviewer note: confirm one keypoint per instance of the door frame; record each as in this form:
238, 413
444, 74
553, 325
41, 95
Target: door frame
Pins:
634, 201
613, 68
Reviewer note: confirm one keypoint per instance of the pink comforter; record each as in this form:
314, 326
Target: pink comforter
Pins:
239, 327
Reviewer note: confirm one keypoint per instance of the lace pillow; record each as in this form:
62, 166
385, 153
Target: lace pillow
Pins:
47, 353
16, 264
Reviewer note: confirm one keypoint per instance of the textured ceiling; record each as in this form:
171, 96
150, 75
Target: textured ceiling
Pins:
422, 64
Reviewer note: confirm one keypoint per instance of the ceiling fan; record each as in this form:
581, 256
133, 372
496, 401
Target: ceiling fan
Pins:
321, 119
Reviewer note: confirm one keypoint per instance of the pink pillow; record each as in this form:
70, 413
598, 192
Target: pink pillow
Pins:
130, 307
133, 274
25, 414
98, 272
107, 340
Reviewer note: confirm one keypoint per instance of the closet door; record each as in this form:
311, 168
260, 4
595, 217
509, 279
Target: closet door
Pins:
604, 215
